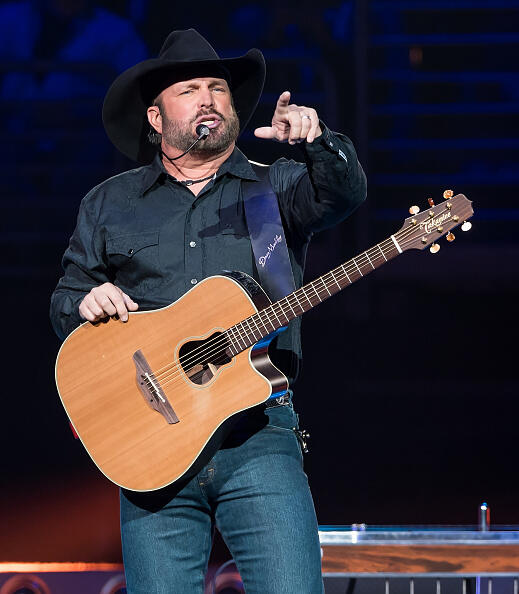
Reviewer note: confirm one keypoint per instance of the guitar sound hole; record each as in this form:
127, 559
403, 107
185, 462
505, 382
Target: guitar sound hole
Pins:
201, 359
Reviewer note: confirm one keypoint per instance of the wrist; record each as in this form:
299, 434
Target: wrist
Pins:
318, 134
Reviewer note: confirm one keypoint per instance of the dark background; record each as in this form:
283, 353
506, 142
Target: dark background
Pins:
410, 378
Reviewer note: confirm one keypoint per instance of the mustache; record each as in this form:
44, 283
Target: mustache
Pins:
208, 113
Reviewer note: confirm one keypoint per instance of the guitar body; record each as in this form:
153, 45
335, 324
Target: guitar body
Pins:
133, 444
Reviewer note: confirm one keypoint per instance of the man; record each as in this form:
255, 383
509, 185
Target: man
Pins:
145, 237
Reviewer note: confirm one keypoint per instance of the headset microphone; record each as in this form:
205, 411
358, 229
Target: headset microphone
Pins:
202, 131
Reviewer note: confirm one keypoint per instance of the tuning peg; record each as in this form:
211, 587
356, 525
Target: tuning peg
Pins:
414, 210
450, 236
448, 194
431, 202
467, 226
434, 249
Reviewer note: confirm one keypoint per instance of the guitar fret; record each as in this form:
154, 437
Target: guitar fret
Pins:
273, 308
378, 245
353, 260
315, 291
307, 298
251, 337
269, 321
251, 330
344, 270
240, 336
230, 343
244, 325
236, 347
283, 312
288, 302
324, 285
275, 314
254, 322
233, 338
367, 255
243, 331
298, 302
336, 282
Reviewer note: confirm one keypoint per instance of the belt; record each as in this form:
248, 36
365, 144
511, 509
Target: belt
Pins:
283, 400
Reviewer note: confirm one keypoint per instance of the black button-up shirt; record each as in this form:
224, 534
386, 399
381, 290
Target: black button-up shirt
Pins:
152, 237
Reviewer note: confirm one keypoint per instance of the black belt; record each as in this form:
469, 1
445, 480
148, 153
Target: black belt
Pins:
284, 400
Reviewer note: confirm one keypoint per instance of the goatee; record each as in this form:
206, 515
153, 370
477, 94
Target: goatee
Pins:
180, 135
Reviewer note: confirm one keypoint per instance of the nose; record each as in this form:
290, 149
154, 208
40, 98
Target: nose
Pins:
205, 97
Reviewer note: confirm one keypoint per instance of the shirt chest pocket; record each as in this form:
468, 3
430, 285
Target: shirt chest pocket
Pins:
135, 257
234, 247
233, 223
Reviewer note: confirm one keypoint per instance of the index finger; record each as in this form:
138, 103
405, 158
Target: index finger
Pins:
114, 296
283, 101
118, 299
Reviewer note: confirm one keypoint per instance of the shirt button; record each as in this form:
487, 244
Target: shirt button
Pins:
130, 251
192, 244
193, 281
331, 144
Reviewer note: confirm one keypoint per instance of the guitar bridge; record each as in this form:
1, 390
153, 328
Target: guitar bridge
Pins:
151, 390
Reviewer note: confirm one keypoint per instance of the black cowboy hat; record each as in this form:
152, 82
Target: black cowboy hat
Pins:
184, 55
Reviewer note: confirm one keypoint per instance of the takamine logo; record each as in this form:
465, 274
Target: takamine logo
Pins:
432, 224
272, 246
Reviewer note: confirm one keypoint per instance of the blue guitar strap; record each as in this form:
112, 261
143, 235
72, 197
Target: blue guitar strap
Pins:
267, 236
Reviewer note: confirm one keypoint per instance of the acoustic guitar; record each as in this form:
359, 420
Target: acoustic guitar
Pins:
152, 398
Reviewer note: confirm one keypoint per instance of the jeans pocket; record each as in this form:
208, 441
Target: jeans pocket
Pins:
282, 417
283, 421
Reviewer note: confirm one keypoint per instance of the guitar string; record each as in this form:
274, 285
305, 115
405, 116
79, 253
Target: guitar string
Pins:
222, 340
291, 300
259, 314
177, 371
245, 334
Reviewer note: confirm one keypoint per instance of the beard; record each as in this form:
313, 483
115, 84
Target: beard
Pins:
179, 134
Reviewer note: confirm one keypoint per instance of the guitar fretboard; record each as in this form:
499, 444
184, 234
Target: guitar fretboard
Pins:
251, 330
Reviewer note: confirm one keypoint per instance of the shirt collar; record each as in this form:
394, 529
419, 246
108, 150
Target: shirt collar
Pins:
237, 165
153, 173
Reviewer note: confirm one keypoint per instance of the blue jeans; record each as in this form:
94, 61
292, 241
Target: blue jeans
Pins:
255, 492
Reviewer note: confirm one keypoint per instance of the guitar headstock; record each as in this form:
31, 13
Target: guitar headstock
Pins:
422, 229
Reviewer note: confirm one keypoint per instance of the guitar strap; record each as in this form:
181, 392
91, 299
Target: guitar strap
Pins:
267, 236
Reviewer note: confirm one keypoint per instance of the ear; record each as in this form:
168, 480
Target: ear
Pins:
154, 118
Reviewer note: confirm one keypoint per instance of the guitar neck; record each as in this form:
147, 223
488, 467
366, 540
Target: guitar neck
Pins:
251, 330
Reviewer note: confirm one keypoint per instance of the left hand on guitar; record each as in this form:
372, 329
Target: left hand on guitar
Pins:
292, 123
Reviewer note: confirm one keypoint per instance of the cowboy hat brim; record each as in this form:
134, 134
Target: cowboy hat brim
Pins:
129, 96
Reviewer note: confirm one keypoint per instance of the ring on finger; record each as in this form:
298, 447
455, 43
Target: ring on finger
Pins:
306, 116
